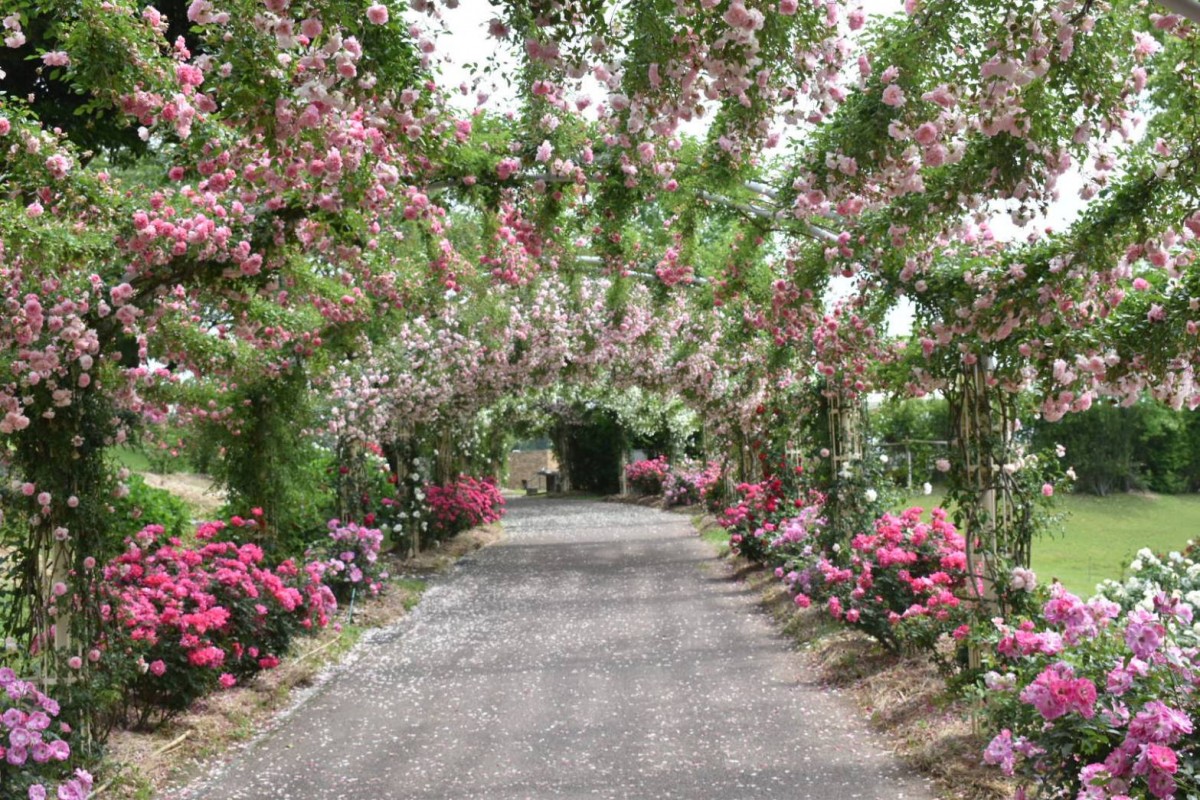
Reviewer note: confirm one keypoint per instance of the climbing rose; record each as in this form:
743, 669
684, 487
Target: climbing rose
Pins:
378, 14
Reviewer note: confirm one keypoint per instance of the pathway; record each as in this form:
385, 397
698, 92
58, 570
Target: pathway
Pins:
593, 654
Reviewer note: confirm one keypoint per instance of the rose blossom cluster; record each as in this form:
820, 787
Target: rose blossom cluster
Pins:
1109, 691
32, 740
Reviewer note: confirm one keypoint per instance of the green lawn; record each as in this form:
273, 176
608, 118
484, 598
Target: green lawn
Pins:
1101, 534
131, 458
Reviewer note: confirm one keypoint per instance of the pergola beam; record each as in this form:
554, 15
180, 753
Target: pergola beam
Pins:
780, 217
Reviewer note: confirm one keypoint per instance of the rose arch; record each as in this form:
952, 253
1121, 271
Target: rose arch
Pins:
280, 227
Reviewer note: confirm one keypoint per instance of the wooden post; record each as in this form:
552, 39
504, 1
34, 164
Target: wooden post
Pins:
908, 460
60, 572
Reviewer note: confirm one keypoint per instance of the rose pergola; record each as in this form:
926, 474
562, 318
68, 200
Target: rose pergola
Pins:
278, 218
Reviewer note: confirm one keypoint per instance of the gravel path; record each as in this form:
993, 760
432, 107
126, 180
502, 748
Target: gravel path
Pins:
594, 654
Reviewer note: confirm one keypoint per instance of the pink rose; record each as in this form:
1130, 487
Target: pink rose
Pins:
927, 134
377, 14
893, 96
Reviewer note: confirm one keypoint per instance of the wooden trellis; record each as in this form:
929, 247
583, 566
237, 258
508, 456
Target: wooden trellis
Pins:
984, 419
846, 432
846, 423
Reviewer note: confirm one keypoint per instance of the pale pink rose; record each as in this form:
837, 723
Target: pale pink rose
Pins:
940, 95
893, 96
927, 134
377, 14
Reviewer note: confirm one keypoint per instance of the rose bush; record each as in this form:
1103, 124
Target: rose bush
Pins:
34, 751
754, 519
1094, 700
463, 504
349, 559
903, 584
180, 620
690, 484
647, 476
